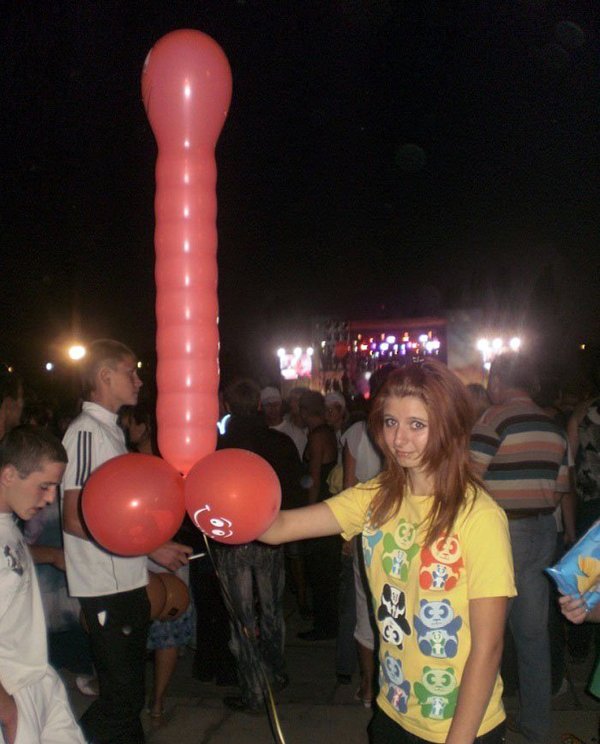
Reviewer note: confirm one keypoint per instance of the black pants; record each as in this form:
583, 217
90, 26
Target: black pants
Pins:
213, 657
382, 730
323, 560
118, 626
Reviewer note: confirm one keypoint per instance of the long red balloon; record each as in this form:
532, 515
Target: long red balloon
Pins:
186, 87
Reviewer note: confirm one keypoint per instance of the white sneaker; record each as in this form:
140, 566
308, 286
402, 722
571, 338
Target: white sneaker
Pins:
87, 684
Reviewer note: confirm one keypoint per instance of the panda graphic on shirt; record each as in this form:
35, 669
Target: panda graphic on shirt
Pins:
437, 693
437, 629
441, 564
391, 616
399, 548
393, 684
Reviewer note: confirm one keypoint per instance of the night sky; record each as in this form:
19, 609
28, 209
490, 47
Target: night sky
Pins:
379, 158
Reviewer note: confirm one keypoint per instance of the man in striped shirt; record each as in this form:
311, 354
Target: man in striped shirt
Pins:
522, 456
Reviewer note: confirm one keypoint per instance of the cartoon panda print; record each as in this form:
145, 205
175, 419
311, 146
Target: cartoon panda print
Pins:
392, 682
437, 693
441, 564
437, 629
399, 549
391, 616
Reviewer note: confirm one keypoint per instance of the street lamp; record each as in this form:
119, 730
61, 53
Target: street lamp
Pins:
76, 352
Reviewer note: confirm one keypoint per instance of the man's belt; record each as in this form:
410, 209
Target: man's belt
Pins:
527, 513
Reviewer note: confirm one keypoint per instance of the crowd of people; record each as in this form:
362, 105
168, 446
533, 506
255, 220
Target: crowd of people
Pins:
414, 531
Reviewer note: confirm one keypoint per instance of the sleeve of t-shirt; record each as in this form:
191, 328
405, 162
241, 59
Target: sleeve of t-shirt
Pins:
350, 507
79, 446
488, 554
351, 438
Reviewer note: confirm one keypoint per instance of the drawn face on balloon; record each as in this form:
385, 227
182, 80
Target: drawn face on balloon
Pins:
219, 528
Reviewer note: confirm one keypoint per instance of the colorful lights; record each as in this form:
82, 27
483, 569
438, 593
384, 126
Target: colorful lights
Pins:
296, 364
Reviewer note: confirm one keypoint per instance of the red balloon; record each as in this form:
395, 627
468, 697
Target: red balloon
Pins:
186, 87
133, 503
232, 495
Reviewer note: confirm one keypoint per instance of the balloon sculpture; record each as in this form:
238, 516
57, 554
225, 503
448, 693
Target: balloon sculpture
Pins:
133, 503
232, 495
186, 87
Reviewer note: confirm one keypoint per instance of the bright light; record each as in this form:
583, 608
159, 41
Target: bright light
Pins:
582, 347
391, 339
515, 343
49, 366
483, 345
384, 346
280, 352
368, 375
76, 352
497, 344
423, 338
310, 351
487, 366
222, 424
297, 351
139, 365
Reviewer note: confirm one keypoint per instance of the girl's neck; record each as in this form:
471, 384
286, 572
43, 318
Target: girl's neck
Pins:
144, 446
421, 484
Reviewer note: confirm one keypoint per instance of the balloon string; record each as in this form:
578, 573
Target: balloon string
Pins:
250, 638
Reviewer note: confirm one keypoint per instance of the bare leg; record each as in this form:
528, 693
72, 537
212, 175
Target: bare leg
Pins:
165, 661
366, 663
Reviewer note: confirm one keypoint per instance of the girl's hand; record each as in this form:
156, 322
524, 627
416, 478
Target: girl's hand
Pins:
573, 608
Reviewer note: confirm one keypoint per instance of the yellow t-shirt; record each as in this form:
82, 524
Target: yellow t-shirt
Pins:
421, 601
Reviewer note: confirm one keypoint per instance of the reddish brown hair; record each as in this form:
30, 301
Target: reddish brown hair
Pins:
446, 455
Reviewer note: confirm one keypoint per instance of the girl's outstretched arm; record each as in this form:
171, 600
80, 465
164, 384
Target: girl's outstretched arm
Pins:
316, 520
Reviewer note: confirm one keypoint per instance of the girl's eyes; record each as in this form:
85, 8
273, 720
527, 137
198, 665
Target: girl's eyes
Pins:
418, 425
389, 422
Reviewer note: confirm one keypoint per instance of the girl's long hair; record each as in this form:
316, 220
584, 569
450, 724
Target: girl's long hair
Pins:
446, 457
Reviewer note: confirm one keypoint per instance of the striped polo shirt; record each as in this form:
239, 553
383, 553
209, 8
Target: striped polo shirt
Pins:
521, 454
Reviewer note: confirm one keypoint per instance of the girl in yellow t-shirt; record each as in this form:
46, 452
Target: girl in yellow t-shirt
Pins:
438, 560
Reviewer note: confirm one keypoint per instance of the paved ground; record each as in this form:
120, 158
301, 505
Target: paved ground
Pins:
315, 709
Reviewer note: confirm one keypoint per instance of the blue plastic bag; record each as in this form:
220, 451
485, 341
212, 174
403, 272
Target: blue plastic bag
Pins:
578, 571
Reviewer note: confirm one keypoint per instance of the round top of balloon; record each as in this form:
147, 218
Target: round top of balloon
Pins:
133, 504
232, 495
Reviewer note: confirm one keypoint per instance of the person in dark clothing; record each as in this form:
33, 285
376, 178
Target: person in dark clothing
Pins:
252, 574
323, 554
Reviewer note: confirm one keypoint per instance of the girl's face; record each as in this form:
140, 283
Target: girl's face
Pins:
406, 430
137, 432
334, 415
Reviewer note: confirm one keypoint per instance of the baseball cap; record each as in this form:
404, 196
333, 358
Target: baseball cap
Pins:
270, 395
335, 398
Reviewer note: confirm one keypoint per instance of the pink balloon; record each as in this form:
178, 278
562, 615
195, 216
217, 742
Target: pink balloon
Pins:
186, 87
232, 495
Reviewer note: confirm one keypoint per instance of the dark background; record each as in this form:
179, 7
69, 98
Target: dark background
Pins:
379, 158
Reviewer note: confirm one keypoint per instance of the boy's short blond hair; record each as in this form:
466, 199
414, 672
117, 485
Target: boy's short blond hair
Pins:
104, 352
